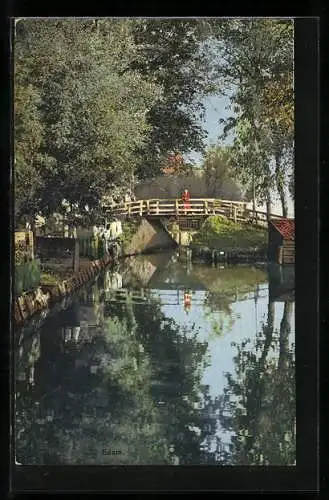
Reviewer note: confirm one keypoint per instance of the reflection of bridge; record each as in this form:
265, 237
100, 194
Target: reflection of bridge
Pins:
196, 208
175, 296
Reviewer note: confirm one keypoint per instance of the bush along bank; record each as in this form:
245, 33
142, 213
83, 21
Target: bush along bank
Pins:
46, 295
223, 241
129, 228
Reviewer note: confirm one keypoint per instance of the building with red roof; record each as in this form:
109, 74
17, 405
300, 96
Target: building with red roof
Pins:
281, 241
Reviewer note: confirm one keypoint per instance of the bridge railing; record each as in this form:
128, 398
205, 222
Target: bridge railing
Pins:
173, 206
235, 210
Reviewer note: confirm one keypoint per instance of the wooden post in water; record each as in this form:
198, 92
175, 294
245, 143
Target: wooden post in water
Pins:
76, 255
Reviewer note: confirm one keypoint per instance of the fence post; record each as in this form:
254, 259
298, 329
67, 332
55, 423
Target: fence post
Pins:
148, 207
141, 208
206, 207
176, 207
76, 255
234, 209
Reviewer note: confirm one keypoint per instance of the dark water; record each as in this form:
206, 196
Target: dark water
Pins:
127, 375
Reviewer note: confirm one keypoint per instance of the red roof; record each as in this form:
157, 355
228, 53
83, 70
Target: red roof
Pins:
286, 228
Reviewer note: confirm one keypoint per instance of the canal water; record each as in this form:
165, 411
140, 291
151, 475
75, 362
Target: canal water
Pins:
161, 361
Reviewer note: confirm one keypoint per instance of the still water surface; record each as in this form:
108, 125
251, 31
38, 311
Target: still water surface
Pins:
161, 361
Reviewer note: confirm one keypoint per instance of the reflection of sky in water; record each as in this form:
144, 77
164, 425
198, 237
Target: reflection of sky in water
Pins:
245, 312
219, 348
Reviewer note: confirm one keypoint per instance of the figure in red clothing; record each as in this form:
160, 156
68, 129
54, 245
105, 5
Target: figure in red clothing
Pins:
187, 301
186, 199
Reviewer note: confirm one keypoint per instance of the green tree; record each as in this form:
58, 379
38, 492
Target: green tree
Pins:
29, 163
278, 115
217, 167
92, 107
174, 53
251, 164
256, 59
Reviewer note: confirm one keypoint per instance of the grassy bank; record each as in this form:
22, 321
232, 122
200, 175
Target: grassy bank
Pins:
221, 233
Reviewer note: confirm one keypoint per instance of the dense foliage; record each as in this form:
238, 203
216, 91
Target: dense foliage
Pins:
95, 101
99, 103
175, 54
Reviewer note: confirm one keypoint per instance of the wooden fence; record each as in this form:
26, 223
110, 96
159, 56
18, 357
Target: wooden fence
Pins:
91, 247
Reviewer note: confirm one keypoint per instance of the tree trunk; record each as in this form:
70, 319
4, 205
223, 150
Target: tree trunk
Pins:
284, 204
268, 204
258, 391
280, 186
285, 328
253, 196
34, 234
269, 332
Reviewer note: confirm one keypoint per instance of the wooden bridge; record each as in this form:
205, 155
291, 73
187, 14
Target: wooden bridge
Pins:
197, 208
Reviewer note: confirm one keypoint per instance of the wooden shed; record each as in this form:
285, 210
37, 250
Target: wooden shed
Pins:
281, 241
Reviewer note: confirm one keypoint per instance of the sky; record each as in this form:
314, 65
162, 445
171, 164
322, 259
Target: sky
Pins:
215, 109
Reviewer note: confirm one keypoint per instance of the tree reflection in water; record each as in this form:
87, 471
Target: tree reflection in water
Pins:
121, 383
259, 402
